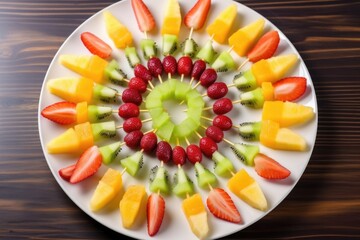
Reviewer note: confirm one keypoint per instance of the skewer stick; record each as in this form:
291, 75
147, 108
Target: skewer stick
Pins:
237, 101
151, 85
144, 110
169, 75
197, 84
160, 79
123, 171
198, 134
230, 49
191, 81
229, 142
237, 127
206, 118
187, 141
182, 78
210, 187
243, 64
191, 33
145, 34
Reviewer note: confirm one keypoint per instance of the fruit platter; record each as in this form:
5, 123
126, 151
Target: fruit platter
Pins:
177, 119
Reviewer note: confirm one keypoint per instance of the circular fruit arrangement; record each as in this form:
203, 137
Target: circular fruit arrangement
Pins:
215, 110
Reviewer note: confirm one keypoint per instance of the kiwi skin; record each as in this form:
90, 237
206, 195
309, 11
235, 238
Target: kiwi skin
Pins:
250, 131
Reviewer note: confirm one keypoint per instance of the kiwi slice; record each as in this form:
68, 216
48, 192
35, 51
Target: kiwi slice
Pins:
133, 163
250, 131
246, 153
103, 129
204, 176
224, 62
104, 94
223, 166
182, 184
132, 56
245, 81
189, 47
207, 53
169, 44
114, 74
166, 130
159, 180
148, 47
96, 113
110, 152
253, 99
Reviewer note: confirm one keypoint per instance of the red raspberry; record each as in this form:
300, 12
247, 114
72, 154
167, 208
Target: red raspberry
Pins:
208, 146
208, 77
131, 95
138, 84
133, 139
132, 124
155, 66
217, 90
169, 64
142, 72
179, 155
193, 153
222, 106
223, 122
148, 142
198, 69
184, 66
215, 133
164, 151
128, 110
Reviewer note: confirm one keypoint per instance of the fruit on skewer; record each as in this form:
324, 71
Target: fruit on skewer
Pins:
286, 89
223, 165
133, 163
268, 168
108, 187
184, 67
207, 77
171, 27
132, 205
207, 52
198, 68
144, 18
221, 121
182, 185
266, 70
204, 177
248, 190
179, 155
155, 211
95, 45
224, 62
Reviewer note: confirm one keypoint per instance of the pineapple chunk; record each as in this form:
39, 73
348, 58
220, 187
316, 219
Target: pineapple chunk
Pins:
268, 91
239, 181
82, 112
172, 20
120, 35
67, 142
85, 135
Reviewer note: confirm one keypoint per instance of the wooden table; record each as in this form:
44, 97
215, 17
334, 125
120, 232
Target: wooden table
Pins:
324, 204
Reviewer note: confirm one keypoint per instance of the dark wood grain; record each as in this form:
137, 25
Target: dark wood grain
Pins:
325, 203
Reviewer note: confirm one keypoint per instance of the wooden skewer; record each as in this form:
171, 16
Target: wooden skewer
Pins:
229, 142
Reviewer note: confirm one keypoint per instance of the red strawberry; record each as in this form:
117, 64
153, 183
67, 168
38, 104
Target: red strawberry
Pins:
223, 122
66, 172
148, 142
155, 66
221, 206
61, 112
222, 106
265, 47
128, 110
138, 84
132, 124
87, 165
193, 153
133, 139
143, 16
208, 146
198, 69
155, 210
217, 90
131, 95
164, 151
170, 65
197, 15
268, 168
289, 89
95, 45
215, 133
142, 72
184, 66
179, 155
208, 77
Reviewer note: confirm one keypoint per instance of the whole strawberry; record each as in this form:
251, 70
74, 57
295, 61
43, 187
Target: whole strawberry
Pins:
138, 84
133, 139
148, 142
155, 66
179, 155
184, 66
193, 153
132, 124
222, 106
142, 72
198, 69
208, 77
164, 151
128, 110
217, 90
207, 146
215, 133
223, 122
170, 65
131, 95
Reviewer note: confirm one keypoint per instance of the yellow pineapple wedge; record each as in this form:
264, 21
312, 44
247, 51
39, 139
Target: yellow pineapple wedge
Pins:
196, 215
67, 142
172, 19
131, 203
109, 186
82, 112
92, 66
85, 135
248, 190
220, 28
120, 35
243, 39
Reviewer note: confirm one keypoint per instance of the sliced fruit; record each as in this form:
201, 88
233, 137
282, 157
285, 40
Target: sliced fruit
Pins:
169, 44
189, 47
131, 203
148, 47
250, 131
85, 135
61, 112
87, 165
196, 215
95, 45
104, 93
207, 52
182, 184
82, 112
197, 15
114, 74
245, 152
159, 180
110, 152
289, 89
120, 35
66, 172
144, 18
186, 128
67, 142
220, 28
103, 129
204, 177
223, 166
172, 19
133, 163
132, 56
166, 131
268, 168
108, 187
267, 91
245, 81
265, 47
97, 113
254, 99
224, 62
155, 212
221, 206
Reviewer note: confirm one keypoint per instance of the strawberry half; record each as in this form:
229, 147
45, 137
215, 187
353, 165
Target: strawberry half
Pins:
289, 89
87, 165
61, 112
268, 168
143, 16
221, 206
155, 210
197, 15
265, 47
66, 172
95, 45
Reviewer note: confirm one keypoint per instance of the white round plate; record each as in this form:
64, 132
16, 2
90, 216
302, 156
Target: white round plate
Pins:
175, 225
